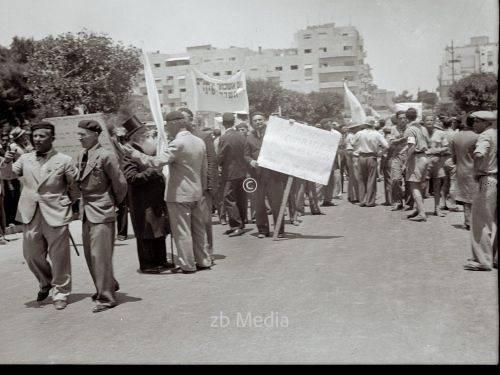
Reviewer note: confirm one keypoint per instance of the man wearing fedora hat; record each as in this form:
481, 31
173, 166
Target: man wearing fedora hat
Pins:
484, 244
186, 157
103, 188
49, 189
368, 142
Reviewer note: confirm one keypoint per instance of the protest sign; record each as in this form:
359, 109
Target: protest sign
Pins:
221, 96
298, 150
66, 129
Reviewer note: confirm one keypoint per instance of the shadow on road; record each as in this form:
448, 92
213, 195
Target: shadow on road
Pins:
291, 236
124, 298
458, 226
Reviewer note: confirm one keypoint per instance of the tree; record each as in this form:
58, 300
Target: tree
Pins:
404, 97
326, 105
86, 69
16, 104
263, 96
428, 98
296, 105
475, 92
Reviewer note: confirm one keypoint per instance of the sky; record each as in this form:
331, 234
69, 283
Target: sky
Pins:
404, 39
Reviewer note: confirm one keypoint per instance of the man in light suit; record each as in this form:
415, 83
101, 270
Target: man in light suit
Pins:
49, 189
187, 160
103, 188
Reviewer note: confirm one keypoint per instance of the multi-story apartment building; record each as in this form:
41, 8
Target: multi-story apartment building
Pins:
480, 55
324, 56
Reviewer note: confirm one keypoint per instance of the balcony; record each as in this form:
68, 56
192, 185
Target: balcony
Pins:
338, 69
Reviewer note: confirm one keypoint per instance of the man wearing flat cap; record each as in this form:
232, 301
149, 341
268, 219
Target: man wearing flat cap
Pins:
484, 244
231, 157
49, 188
103, 188
187, 161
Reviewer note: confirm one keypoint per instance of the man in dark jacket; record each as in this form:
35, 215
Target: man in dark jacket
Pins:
234, 168
148, 210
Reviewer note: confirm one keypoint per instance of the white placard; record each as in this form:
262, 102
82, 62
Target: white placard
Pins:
298, 150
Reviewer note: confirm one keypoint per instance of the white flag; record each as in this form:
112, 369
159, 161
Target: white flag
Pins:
358, 115
154, 103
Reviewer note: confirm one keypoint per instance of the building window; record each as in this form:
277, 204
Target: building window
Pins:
294, 67
309, 79
307, 36
182, 90
349, 63
308, 73
182, 82
323, 65
490, 63
254, 69
207, 60
322, 33
220, 59
170, 91
278, 68
322, 49
347, 48
159, 91
308, 50
169, 78
157, 65
229, 72
232, 59
345, 34
216, 74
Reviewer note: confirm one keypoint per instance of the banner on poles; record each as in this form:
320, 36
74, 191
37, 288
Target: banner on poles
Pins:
405, 106
298, 150
221, 96
66, 129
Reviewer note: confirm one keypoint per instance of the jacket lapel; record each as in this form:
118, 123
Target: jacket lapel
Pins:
35, 168
51, 166
91, 163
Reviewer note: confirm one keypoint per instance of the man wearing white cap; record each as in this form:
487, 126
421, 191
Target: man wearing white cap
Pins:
484, 205
368, 141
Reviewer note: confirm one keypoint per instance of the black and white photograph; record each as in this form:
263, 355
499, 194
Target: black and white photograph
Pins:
216, 182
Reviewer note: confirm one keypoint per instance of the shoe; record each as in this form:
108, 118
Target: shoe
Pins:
419, 218
60, 304
168, 265
408, 208
397, 207
386, 204
188, 271
317, 213
121, 238
94, 297
281, 235
203, 268
261, 235
229, 231
101, 307
362, 205
371, 205
444, 208
439, 213
338, 197
476, 267
413, 214
296, 223
327, 204
151, 271
236, 232
42, 295
3, 240
466, 227
454, 209
223, 222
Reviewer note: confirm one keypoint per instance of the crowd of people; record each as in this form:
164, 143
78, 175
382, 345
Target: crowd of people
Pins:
451, 161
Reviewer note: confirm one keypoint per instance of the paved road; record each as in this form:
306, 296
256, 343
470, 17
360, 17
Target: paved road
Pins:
358, 285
